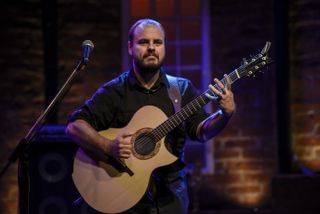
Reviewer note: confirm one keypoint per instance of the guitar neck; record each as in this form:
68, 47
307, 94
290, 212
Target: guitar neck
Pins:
248, 68
188, 110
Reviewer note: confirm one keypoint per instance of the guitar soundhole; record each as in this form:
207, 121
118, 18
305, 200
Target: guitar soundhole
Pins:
144, 144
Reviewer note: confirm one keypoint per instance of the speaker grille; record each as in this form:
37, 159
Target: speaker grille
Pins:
48, 165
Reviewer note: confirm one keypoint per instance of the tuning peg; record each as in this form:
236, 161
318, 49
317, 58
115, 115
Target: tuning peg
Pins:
250, 73
244, 61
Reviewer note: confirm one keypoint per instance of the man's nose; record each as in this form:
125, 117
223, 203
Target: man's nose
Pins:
151, 46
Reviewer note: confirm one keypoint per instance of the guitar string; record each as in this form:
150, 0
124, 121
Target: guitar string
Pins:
164, 128
189, 109
154, 135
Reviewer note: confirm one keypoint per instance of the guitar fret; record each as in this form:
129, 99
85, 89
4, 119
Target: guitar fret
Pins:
234, 75
236, 71
175, 119
156, 134
171, 124
204, 99
198, 104
182, 115
166, 128
195, 106
189, 111
192, 107
162, 132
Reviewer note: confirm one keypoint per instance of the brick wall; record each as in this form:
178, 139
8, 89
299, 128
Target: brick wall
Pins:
22, 75
305, 78
245, 153
22, 86
100, 22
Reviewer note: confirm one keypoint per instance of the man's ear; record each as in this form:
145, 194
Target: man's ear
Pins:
129, 48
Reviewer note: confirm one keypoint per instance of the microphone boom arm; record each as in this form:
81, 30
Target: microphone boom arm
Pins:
18, 151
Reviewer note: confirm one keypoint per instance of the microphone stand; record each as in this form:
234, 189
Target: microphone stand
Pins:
20, 148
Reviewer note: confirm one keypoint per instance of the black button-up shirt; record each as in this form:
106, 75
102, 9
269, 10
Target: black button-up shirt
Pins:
114, 104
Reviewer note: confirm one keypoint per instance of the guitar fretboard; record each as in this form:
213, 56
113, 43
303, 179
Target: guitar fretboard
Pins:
188, 110
257, 62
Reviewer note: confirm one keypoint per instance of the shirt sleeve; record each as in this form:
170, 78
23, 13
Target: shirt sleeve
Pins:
189, 93
98, 111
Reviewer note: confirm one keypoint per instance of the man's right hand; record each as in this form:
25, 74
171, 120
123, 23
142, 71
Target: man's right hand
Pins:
121, 146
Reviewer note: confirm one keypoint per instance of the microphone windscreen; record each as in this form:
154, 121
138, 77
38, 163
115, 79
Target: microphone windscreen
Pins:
88, 43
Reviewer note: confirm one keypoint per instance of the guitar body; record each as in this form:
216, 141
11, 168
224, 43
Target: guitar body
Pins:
109, 190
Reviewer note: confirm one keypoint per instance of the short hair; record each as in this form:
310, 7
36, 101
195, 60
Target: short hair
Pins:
144, 22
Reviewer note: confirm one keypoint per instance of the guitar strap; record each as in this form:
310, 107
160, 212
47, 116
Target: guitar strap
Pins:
174, 92
175, 97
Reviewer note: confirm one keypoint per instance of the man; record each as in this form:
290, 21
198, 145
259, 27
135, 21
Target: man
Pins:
115, 103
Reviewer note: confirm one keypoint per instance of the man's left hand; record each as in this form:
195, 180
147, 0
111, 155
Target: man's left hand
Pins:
224, 97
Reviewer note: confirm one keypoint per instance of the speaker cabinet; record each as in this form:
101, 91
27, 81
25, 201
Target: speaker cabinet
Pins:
296, 194
45, 172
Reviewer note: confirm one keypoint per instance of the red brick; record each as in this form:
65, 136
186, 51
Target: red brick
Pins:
222, 179
234, 166
244, 189
227, 153
261, 177
301, 151
242, 143
317, 152
306, 150
308, 141
258, 153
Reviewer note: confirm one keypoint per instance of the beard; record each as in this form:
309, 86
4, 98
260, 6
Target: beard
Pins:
148, 68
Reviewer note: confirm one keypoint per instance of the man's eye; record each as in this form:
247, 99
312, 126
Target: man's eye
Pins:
158, 42
143, 42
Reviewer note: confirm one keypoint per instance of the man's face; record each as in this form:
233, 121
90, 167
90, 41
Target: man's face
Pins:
147, 48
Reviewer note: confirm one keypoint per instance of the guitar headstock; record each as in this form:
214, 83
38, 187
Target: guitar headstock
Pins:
254, 65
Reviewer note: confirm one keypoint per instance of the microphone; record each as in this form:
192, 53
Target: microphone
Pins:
87, 47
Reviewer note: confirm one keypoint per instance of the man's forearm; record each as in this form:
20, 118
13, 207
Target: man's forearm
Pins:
211, 126
87, 137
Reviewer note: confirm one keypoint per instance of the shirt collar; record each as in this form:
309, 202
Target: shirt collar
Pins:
133, 81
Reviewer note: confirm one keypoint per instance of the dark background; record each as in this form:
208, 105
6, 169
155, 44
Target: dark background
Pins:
274, 133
